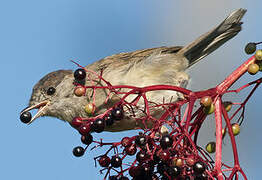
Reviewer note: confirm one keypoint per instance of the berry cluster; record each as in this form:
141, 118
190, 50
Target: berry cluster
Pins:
168, 149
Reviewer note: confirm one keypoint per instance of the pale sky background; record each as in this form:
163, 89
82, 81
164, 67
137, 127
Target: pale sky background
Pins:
37, 37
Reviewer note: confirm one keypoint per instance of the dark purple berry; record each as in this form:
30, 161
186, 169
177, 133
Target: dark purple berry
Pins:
199, 167
135, 171
98, 125
174, 171
164, 155
140, 140
147, 169
117, 113
141, 156
78, 151
80, 74
123, 178
87, 139
156, 159
109, 120
104, 161
162, 167
155, 177
112, 178
26, 117
116, 161
166, 141
202, 176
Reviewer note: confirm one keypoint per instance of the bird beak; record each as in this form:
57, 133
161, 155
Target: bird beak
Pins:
41, 109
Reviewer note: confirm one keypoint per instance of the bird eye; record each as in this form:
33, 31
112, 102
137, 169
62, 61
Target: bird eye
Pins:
50, 91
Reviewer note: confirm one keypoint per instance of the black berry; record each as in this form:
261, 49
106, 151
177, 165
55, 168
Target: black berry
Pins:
109, 120
147, 169
117, 113
141, 156
199, 167
135, 171
112, 178
87, 139
174, 171
166, 141
80, 74
116, 161
26, 117
99, 125
162, 167
78, 151
140, 140
123, 178
202, 176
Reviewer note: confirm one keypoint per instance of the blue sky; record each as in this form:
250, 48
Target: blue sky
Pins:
37, 37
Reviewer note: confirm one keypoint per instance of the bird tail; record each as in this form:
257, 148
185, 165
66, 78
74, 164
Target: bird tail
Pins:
213, 39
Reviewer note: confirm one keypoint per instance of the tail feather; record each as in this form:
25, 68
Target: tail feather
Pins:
213, 39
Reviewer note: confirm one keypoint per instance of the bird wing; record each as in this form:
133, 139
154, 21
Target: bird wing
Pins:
136, 56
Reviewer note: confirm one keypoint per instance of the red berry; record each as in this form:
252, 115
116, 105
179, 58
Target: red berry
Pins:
84, 129
126, 141
76, 122
104, 161
130, 150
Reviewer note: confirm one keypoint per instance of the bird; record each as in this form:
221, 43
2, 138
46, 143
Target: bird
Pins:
53, 95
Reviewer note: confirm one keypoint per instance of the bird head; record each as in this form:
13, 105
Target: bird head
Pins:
53, 95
